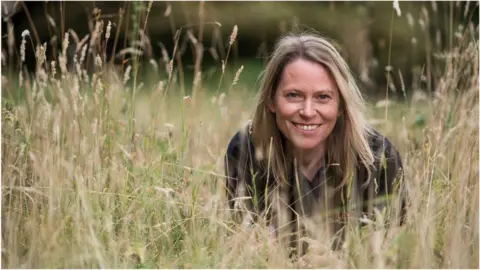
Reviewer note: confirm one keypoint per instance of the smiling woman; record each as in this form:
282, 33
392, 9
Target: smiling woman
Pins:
308, 162
306, 108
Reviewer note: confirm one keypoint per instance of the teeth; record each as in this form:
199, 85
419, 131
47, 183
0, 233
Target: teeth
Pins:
307, 127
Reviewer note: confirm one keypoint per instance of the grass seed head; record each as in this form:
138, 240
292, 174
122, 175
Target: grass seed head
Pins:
25, 33
237, 75
82, 55
98, 61
396, 6
168, 10
150, 3
109, 29
23, 47
170, 69
410, 20
233, 36
65, 44
154, 64
126, 76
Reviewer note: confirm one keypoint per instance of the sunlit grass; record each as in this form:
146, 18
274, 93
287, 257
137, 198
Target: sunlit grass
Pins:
95, 177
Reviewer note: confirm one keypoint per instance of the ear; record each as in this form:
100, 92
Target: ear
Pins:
271, 107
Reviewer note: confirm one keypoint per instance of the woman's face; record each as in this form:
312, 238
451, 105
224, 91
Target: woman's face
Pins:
306, 104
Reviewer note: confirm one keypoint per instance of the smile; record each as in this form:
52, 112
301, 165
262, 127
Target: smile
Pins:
306, 127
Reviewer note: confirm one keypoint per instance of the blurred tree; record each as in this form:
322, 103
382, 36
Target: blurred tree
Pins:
371, 36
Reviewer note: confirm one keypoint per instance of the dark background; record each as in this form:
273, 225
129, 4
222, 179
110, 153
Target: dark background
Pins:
370, 34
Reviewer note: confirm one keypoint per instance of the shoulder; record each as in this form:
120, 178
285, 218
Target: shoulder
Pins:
388, 173
388, 163
234, 143
240, 142
381, 145
387, 159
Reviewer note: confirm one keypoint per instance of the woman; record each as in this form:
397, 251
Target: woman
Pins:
308, 161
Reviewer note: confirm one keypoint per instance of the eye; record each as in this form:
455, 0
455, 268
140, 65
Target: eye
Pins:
323, 97
292, 95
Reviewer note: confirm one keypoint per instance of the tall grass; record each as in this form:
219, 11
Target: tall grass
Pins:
96, 175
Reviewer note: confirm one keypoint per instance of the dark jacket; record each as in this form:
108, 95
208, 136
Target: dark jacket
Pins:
246, 178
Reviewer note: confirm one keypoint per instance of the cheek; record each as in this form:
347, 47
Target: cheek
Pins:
330, 114
275, 105
284, 109
333, 115
333, 112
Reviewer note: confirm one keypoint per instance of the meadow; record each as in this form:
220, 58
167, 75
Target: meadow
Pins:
111, 169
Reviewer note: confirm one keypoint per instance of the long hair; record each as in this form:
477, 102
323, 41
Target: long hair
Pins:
347, 145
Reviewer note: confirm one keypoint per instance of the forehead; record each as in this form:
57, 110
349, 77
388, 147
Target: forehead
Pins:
305, 73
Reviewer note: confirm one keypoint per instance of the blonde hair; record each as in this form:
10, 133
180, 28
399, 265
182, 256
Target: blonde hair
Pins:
347, 145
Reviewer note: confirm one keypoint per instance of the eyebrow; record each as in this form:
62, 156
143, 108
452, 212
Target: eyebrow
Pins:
325, 91
329, 91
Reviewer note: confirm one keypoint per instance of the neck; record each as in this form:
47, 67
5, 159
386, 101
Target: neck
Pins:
309, 161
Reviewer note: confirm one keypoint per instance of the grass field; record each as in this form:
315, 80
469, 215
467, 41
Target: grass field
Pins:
110, 174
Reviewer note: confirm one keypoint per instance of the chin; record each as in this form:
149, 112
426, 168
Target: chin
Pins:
306, 146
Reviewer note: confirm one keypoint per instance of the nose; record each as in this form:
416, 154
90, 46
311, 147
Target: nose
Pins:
307, 110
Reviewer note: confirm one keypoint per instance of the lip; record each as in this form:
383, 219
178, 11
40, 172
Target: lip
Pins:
307, 124
295, 125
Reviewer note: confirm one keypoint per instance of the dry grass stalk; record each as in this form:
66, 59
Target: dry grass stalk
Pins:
67, 164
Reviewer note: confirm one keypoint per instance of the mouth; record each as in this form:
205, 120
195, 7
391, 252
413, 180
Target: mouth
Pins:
304, 127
